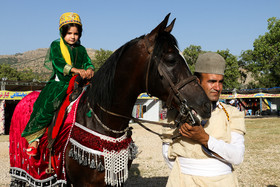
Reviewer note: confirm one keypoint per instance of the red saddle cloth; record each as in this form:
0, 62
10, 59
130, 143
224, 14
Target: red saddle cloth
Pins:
33, 169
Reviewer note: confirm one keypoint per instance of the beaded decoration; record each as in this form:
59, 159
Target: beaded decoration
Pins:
69, 17
225, 111
89, 148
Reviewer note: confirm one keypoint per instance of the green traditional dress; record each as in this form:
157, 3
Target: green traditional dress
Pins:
53, 94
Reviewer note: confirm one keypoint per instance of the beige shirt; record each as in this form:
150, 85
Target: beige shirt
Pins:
218, 126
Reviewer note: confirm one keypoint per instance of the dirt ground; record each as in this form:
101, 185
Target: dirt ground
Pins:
261, 166
4, 161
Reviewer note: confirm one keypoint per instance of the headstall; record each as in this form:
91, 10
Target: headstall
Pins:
174, 91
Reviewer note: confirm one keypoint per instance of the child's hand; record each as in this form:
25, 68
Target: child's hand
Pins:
89, 73
81, 72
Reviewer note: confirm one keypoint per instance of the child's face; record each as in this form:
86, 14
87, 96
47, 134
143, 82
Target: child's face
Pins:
72, 36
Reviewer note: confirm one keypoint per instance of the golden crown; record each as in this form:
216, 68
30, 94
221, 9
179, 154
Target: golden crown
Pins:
69, 17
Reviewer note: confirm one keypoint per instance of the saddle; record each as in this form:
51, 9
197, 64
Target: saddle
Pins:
75, 88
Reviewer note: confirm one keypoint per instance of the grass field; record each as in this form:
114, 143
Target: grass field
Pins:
261, 166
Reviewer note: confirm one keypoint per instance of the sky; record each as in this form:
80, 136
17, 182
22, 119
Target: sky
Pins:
108, 24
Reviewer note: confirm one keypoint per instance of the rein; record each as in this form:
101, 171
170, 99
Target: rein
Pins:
139, 121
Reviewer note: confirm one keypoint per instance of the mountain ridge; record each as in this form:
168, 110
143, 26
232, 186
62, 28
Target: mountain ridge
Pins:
33, 59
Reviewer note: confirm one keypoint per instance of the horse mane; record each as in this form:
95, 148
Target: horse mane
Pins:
102, 87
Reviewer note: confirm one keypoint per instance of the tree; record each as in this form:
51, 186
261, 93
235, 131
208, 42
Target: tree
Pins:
232, 73
29, 75
263, 60
6, 71
191, 53
245, 62
100, 57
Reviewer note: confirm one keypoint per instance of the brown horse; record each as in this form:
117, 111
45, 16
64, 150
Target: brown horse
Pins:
151, 63
136, 67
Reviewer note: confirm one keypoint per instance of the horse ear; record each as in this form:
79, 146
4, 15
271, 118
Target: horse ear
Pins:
150, 38
170, 27
160, 28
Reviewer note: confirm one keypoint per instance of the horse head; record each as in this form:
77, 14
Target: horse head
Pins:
169, 77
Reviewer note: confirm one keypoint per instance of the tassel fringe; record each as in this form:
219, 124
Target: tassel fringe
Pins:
116, 163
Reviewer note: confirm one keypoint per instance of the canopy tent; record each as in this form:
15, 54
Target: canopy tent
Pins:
145, 96
16, 90
260, 101
11, 93
256, 95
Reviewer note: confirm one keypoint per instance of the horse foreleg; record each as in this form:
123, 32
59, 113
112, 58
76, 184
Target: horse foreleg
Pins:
82, 176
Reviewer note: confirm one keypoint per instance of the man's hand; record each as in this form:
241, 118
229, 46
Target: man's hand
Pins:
195, 133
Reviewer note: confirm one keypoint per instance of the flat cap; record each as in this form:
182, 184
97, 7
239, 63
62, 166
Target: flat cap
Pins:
210, 62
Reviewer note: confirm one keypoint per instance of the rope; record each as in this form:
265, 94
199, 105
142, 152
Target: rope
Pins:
104, 126
128, 128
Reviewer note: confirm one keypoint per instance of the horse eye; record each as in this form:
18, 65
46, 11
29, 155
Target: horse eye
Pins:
170, 59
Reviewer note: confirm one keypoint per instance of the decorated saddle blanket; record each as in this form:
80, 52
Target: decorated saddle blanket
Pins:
89, 148
33, 169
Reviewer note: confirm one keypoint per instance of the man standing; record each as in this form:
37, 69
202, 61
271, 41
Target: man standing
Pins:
204, 155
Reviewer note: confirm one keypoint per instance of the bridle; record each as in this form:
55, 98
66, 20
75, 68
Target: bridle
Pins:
185, 112
174, 90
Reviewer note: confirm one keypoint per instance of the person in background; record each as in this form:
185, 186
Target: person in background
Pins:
66, 57
204, 155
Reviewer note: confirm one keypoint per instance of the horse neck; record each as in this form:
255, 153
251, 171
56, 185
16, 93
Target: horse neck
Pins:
129, 82
128, 85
